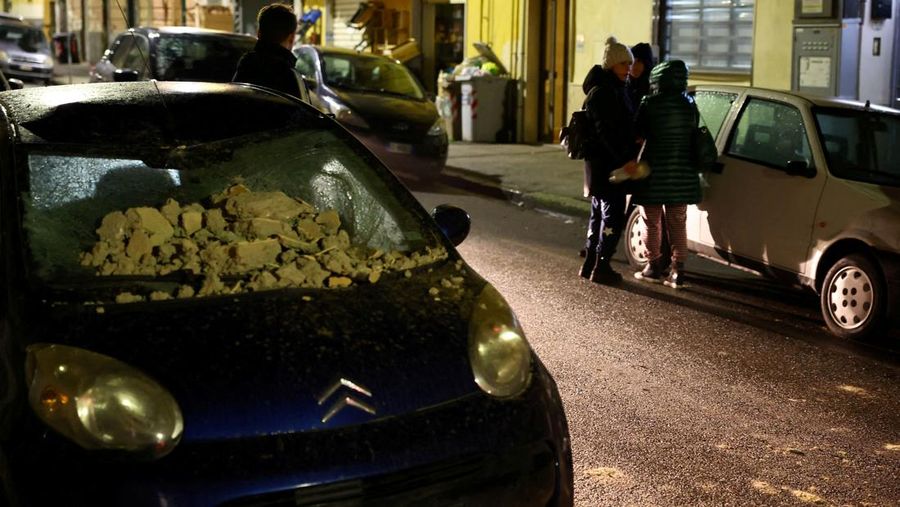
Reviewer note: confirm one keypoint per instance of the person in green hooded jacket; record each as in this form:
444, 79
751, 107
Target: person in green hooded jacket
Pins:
667, 119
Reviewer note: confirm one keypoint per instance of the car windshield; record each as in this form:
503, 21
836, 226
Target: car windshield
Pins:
861, 145
192, 57
364, 73
26, 38
286, 208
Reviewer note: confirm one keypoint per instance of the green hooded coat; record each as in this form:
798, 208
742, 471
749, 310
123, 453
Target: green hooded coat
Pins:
667, 119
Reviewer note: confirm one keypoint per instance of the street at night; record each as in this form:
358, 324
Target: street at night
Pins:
449, 253
730, 392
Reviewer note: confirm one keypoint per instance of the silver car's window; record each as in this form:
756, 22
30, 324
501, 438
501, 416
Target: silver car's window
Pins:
770, 133
861, 145
27, 38
714, 108
72, 192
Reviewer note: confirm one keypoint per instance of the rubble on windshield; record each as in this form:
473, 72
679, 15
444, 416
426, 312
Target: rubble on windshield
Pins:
264, 240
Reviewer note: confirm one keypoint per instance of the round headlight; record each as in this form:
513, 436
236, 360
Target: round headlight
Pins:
438, 128
101, 403
498, 352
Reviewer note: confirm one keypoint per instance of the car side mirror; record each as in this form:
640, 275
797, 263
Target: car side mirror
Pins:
15, 84
800, 168
125, 75
454, 222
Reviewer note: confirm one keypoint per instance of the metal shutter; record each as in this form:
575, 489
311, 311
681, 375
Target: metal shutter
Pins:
344, 36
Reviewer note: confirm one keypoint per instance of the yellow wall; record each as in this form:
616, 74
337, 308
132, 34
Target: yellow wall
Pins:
631, 21
595, 20
772, 43
496, 23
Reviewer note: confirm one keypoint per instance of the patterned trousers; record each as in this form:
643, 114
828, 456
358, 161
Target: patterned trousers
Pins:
676, 225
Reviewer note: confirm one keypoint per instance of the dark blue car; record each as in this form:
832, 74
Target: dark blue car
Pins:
215, 295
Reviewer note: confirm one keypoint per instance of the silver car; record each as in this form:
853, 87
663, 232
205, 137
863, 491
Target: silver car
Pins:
808, 192
24, 51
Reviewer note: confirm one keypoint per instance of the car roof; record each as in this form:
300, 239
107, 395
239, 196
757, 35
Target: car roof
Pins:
329, 50
190, 30
814, 100
146, 112
16, 21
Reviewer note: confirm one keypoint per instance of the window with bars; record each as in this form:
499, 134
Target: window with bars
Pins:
709, 35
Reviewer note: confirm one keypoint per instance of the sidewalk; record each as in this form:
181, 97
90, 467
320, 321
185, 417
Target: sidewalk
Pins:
540, 176
71, 73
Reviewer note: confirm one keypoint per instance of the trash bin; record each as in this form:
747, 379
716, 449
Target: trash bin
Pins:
65, 47
483, 109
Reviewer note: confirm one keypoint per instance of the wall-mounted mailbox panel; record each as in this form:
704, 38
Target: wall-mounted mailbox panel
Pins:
826, 59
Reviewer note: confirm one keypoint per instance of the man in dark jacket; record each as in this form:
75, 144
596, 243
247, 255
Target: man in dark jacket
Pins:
610, 107
271, 63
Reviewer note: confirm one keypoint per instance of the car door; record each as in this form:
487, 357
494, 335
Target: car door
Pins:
715, 107
762, 206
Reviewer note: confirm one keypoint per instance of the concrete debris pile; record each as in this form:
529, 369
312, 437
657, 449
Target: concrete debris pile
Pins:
267, 240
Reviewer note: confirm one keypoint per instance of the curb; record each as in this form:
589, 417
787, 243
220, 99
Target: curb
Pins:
493, 187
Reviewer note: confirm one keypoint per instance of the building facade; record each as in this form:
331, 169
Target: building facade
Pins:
549, 45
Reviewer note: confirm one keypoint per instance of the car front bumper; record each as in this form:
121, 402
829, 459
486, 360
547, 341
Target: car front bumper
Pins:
423, 159
27, 70
473, 451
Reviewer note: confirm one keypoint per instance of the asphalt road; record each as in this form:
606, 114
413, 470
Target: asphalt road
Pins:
728, 392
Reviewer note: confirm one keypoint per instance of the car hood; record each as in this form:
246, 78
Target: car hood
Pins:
259, 364
387, 110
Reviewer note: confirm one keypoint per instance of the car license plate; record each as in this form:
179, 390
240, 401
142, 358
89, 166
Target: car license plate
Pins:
399, 148
26, 68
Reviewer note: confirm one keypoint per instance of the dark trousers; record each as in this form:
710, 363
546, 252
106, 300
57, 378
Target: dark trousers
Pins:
605, 224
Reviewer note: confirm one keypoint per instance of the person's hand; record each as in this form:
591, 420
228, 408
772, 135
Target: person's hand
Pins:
630, 167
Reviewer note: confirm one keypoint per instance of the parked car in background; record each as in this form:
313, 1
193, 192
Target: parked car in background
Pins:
381, 102
24, 51
172, 54
809, 192
221, 297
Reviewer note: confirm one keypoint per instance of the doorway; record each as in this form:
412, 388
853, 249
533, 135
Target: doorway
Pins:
554, 76
895, 77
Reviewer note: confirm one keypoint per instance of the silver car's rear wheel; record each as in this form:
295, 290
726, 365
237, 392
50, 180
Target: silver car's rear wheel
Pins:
853, 297
635, 251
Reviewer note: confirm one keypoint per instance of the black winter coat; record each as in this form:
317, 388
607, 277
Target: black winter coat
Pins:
269, 65
667, 119
610, 107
